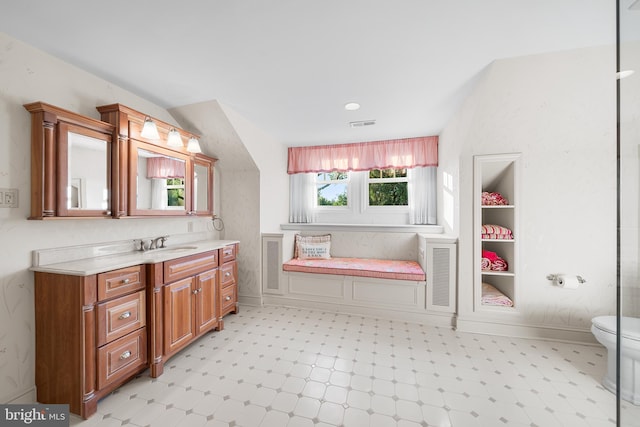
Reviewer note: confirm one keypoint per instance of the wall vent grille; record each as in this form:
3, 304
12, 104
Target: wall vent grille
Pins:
362, 123
441, 280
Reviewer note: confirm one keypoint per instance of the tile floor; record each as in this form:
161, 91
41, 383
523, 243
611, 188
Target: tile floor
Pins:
275, 366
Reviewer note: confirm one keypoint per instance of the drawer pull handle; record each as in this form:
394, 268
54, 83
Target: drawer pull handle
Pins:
125, 355
126, 281
125, 315
227, 298
227, 274
228, 252
195, 291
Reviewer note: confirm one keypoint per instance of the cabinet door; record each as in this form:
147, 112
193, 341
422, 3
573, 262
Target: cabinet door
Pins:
206, 299
178, 314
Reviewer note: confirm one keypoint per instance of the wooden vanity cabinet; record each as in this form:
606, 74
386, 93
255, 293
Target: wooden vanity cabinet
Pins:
91, 335
184, 304
228, 282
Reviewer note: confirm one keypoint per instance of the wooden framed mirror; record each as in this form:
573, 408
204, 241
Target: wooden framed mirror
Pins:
159, 181
70, 164
202, 185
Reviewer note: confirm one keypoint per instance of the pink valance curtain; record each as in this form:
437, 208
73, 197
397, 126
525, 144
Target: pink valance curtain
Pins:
395, 153
163, 167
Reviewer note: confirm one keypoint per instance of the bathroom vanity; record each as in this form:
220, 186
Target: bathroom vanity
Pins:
102, 319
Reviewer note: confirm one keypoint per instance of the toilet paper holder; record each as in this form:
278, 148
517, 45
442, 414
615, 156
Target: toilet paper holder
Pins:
554, 278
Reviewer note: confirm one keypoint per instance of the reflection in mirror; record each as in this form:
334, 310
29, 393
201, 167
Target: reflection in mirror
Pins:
87, 173
200, 187
160, 182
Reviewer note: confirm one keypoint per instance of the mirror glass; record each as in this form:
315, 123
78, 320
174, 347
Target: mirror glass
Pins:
160, 182
87, 173
200, 187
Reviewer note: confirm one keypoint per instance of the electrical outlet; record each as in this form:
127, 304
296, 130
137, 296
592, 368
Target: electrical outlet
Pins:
8, 197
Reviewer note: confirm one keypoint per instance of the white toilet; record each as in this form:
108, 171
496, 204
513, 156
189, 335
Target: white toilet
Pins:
604, 329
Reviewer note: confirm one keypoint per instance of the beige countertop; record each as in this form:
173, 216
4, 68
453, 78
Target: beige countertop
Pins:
75, 262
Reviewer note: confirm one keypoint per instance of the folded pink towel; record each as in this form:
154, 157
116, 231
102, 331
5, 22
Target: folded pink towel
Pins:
495, 229
497, 236
492, 296
493, 199
492, 256
485, 264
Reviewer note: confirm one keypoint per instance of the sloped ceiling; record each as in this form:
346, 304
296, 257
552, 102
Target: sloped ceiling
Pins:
289, 66
218, 136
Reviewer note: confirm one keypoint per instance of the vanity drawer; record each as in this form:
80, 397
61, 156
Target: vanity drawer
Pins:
228, 253
228, 299
119, 282
120, 316
180, 268
122, 357
228, 274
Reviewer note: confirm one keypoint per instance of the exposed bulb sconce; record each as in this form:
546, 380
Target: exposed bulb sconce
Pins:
193, 146
174, 139
149, 130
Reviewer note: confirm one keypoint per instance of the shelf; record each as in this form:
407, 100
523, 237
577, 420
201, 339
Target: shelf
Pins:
497, 273
497, 174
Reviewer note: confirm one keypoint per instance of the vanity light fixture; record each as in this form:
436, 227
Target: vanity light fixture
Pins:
149, 130
174, 139
193, 146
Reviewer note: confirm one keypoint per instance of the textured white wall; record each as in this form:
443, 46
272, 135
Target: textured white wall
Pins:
29, 75
630, 178
558, 110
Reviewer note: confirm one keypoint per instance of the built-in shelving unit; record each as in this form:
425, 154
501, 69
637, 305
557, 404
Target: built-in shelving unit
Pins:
496, 174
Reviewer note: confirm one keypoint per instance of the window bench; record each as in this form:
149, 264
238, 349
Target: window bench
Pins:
419, 291
362, 267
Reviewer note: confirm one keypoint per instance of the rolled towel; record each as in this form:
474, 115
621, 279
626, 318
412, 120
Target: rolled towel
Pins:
499, 265
485, 264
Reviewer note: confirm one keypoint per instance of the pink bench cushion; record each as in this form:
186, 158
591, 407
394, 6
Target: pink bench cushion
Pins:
363, 267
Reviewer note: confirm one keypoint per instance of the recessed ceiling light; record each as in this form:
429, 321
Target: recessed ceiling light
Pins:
351, 106
623, 74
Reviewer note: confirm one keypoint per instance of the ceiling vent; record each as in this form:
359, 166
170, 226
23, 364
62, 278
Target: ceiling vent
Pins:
362, 123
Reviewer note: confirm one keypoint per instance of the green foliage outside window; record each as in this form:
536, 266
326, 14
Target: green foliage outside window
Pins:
175, 196
391, 190
332, 189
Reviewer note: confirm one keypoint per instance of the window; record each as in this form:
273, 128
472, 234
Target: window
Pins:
175, 193
332, 189
388, 187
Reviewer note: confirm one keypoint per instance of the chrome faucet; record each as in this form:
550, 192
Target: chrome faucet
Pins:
148, 245
158, 242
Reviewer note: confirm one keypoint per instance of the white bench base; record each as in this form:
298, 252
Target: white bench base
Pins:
403, 300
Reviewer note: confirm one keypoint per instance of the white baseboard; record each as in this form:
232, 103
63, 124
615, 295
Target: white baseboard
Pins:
547, 333
441, 320
25, 397
250, 300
